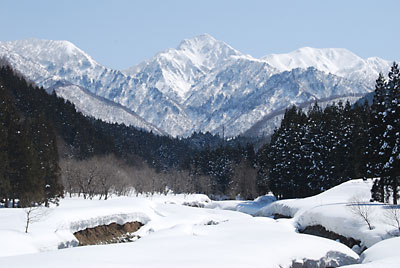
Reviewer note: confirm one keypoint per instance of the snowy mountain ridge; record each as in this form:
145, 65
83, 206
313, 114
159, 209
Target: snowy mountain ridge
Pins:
202, 85
338, 61
88, 104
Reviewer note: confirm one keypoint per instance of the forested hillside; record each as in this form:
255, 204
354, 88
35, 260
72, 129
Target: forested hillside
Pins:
315, 150
42, 132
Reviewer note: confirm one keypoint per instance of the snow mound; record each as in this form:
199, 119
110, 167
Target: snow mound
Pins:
381, 255
333, 210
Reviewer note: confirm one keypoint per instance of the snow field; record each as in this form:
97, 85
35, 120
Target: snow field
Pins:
214, 234
173, 236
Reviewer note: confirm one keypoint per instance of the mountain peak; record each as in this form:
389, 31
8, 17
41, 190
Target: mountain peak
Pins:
56, 52
206, 45
201, 40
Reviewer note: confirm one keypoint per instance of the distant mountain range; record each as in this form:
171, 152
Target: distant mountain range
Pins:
202, 85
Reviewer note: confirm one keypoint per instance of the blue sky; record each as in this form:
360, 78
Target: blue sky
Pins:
122, 33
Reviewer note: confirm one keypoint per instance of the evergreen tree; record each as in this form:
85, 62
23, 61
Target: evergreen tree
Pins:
383, 136
392, 131
360, 118
374, 154
285, 157
5, 185
44, 140
314, 149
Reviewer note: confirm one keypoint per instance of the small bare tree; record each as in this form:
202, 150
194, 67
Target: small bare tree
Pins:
362, 209
392, 214
34, 214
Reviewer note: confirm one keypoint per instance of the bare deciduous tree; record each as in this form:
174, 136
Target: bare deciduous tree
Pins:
34, 214
105, 175
362, 209
392, 214
243, 182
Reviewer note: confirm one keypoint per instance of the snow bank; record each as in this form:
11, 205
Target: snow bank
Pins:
331, 209
381, 255
56, 226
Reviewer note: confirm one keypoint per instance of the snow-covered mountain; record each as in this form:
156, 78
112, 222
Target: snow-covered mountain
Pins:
39, 67
202, 85
337, 61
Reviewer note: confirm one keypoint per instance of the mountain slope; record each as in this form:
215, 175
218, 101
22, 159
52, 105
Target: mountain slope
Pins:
174, 71
89, 104
202, 85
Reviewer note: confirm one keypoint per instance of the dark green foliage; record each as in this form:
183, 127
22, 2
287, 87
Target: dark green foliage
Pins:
383, 151
28, 145
313, 152
285, 156
223, 165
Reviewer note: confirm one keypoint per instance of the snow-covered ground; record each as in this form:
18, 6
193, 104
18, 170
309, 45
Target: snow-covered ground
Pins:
383, 254
174, 235
219, 234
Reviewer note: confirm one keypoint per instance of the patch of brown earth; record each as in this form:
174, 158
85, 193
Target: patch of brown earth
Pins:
319, 230
108, 234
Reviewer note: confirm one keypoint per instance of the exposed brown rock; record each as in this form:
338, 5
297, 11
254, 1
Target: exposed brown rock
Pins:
319, 230
108, 234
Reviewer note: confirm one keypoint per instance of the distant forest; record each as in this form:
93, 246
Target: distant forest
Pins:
48, 149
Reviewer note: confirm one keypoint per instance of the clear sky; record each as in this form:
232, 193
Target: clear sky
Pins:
122, 33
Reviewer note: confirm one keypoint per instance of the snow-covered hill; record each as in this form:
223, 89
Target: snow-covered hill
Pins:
202, 85
64, 68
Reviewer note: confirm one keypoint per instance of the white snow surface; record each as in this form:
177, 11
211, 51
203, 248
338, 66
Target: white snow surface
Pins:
173, 236
338, 61
331, 209
381, 255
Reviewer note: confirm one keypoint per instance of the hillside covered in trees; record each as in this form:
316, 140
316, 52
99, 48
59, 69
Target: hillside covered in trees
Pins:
315, 150
48, 147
